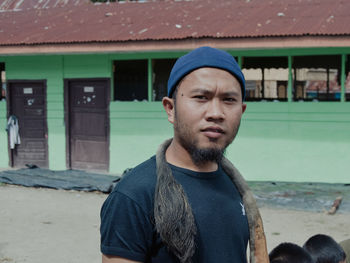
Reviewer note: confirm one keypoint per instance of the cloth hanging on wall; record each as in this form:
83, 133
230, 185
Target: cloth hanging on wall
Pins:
13, 131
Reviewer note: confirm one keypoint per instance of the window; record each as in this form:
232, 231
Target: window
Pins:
2, 81
161, 72
347, 87
266, 78
130, 80
316, 78
347, 81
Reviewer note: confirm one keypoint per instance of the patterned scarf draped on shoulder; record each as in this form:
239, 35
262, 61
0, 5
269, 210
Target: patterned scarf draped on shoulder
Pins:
174, 220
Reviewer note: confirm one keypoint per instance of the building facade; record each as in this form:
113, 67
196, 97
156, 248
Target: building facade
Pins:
92, 101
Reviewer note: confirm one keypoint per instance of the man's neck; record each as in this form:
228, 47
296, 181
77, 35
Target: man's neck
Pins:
178, 156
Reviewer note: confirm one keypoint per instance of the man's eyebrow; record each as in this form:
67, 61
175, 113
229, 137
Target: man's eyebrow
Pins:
208, 91
201, 90
230, 93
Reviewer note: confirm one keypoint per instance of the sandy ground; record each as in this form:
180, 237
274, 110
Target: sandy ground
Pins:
44, 225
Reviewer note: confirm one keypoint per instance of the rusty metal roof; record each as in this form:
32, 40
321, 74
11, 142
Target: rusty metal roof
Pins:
34, 22
22, 5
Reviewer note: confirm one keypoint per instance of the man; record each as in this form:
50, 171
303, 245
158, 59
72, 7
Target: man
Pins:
188, 203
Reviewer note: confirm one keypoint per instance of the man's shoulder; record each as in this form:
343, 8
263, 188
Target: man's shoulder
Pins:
140, 180
148, 166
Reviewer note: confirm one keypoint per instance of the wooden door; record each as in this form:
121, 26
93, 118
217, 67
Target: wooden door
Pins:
28, 104
88, 124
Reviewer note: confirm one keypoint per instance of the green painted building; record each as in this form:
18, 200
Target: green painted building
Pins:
85, 100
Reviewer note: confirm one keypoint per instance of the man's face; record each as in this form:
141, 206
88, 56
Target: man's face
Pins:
208, 111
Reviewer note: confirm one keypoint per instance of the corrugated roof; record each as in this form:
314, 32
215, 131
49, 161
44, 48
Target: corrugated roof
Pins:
22, 5
79, 21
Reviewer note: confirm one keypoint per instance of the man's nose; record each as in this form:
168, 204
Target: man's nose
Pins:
215, 110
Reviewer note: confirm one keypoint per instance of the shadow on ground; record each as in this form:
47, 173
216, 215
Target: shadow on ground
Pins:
65, 179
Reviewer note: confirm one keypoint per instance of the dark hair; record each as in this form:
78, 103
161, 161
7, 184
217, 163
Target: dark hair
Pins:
289, 253
174, 95
324, 249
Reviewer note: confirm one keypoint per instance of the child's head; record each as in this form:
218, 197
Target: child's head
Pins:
289, 253
324, 249
345, 244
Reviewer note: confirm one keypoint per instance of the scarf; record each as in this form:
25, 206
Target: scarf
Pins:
176, 226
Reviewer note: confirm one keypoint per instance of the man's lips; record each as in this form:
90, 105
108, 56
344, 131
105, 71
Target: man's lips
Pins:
213, 132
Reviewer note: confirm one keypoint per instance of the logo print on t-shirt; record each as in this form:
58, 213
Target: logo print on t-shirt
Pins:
243, 210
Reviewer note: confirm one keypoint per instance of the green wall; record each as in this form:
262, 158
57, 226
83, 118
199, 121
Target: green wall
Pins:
294, 142
47, 68
4, 159
277, 141
282, 141
136, 131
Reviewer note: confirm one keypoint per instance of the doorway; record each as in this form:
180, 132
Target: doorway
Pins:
87, 123
27, 102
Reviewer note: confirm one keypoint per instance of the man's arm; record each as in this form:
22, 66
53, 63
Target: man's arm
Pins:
125, 237
114, 259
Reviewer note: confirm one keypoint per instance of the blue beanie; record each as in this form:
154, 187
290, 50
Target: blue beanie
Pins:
204, 57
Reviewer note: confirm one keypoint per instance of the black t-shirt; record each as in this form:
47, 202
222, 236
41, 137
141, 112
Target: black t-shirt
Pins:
127, 228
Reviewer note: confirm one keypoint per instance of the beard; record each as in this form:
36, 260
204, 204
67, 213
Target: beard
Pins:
199, 156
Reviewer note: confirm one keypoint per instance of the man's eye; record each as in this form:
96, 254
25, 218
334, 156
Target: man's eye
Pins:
230, 99
200, 97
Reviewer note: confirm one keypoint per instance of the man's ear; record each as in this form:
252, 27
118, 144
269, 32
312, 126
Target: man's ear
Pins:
244, 107
168, 104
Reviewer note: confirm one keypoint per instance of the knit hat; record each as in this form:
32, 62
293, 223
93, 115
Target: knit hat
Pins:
204, 57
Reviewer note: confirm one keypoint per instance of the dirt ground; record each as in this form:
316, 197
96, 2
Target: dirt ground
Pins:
45, 225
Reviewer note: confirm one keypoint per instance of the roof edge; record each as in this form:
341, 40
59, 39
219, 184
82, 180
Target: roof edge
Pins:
259, 37
171, 45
